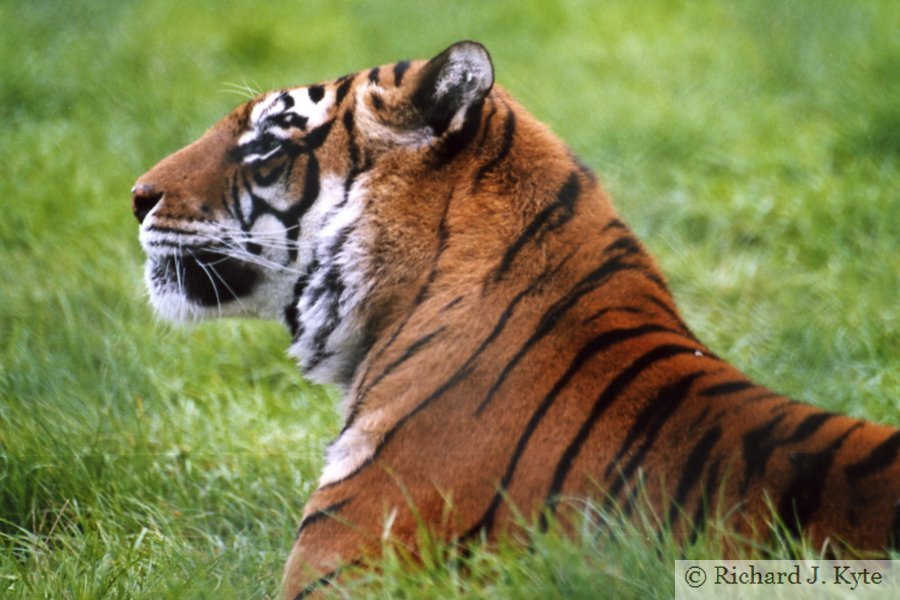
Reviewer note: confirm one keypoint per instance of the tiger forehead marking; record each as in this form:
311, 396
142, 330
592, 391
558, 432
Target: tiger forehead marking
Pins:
278, 112
503, 341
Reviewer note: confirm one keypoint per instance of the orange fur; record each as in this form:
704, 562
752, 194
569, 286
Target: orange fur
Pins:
517, 343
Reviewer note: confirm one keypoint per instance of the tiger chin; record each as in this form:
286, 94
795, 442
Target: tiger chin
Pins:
502, 339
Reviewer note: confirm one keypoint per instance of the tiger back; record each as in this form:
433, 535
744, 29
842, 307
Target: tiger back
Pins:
502, 339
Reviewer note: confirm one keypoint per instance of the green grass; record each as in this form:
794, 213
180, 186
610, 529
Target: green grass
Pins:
754, 147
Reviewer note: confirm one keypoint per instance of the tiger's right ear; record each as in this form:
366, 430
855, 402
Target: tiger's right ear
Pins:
451, 83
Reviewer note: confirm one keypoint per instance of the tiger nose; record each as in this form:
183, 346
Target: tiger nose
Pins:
144, 196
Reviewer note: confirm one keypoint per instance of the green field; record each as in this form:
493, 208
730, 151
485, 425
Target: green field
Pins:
754, 147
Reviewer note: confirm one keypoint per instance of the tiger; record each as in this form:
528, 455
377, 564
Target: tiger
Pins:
501, 340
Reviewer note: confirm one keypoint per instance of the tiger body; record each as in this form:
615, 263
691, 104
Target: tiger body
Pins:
503, 341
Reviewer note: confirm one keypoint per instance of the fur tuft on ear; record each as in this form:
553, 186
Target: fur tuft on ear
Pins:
451, 83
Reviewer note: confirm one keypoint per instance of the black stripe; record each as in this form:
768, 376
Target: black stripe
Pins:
311, 141
626, 243
486, 130
410, 351
342, 89
894, 532
456, 141
292, 310
692, 470
550, 218
755, 398
707, 497
598, 344
603, 402
452, 303
374, 75
265, 175
611, 309
509, 131
421, 296
758, 445
462, 372
349, 123
729, 387
881, 457
673, 314
322, 514
399, 70
589, 283
655, 414
333, 285
648, 424
316, 93
325, 580
287, 99
809, 426
802, 497
615, 224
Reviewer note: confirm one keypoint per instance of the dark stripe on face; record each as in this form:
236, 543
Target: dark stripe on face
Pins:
692, 471
342, 89
880, 458
509, 131
292, 310
287, 99
374, 75
316, 93
322, 514
729, 387
549, 219
353, 148
288, 120
603, 402
399, 70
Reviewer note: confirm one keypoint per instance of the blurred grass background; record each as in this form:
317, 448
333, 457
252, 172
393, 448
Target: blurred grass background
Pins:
754, 147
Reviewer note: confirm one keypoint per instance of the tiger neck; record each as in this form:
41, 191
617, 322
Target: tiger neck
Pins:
525, 241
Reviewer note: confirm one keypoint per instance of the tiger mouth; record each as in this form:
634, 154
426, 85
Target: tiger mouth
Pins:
205, 277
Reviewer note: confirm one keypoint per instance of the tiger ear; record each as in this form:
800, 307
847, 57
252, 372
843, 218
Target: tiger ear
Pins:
451, 83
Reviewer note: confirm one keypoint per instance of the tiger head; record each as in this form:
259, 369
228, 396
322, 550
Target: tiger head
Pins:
314, 205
